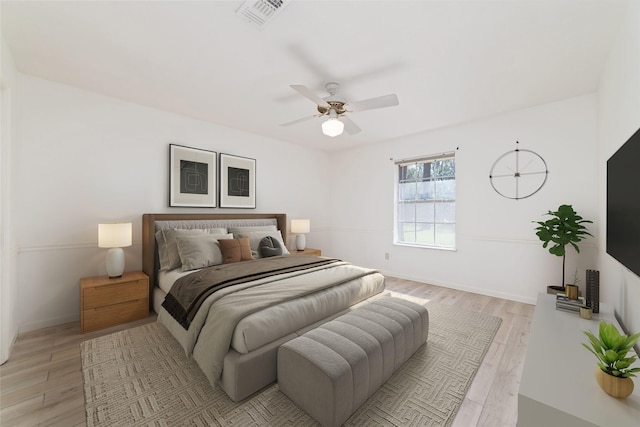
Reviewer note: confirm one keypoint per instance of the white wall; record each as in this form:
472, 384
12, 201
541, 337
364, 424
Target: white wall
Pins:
85, 158
618, 119
497, 251
8, 137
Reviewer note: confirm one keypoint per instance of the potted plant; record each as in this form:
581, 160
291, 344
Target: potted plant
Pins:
565, 227
610, 347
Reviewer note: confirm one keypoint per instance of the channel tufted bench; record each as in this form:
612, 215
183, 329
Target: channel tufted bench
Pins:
332, 370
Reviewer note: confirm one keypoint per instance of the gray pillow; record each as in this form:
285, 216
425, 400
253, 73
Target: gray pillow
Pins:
269, 246
171, 258
256, 236
200, 251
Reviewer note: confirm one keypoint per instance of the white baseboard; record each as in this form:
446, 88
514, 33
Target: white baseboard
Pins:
458, 287
32, 326
7, 352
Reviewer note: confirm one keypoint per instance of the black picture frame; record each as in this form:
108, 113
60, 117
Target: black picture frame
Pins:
192, 177
237, 181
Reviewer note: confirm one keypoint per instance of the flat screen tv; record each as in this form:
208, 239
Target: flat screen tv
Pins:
623, 204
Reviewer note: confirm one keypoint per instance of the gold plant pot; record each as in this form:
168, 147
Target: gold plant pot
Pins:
586, 312
571, 291
617, 387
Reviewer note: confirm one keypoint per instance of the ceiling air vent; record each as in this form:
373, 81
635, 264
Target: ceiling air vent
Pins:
260, 12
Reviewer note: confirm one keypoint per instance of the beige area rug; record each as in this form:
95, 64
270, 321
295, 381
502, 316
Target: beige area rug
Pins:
140, 376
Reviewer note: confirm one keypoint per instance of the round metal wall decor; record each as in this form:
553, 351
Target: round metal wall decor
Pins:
518, 174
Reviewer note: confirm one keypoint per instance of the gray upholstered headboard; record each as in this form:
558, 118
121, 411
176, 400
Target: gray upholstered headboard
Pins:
153, 222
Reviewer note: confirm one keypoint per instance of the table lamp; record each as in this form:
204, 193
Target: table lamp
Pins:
300, 226
114, 236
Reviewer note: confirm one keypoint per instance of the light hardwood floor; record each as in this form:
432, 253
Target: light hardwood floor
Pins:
41, 383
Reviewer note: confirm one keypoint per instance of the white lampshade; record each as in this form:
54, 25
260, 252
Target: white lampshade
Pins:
332, 127
300, 226
114, 235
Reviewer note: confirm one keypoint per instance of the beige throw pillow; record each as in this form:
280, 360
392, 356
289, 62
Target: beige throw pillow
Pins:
235, 250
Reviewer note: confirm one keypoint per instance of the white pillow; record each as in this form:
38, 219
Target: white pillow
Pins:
256, 236
201, 250
162, 250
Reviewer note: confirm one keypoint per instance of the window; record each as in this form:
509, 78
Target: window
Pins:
426, 202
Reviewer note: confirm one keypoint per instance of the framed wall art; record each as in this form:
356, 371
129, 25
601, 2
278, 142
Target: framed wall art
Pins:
193, 175
237, 182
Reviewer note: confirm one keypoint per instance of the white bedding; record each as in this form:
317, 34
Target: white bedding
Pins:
266, 326
270, 324
166, 279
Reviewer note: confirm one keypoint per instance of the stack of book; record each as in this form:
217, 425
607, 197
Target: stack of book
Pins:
571, 305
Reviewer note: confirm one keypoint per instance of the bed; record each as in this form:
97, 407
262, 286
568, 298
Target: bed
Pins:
234, 334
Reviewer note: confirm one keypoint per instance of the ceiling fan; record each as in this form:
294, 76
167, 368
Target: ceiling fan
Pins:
335, 107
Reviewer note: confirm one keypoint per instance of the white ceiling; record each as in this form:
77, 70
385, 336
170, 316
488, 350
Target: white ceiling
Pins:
448, 61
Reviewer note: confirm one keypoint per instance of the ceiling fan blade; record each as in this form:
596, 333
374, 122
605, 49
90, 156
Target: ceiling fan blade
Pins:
372, 103
304, 119
308, 93
349, 125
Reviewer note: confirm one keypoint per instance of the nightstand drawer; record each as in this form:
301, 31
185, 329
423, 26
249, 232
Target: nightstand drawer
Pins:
106, 295
108, 301
102, 317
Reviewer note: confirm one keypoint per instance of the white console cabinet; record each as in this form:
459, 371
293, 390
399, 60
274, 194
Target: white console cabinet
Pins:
558, 387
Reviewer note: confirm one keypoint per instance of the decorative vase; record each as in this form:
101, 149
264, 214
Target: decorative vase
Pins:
620, 388
571, 291
586, 312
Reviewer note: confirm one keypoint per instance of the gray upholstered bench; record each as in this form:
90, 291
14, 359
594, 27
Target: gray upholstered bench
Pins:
332, 370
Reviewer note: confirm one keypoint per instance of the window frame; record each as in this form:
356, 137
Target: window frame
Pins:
398, 203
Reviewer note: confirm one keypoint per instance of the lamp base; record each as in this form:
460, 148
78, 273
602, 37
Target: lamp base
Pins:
301, 242
115, 263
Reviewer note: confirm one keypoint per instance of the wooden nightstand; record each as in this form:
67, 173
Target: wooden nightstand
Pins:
107, 302
310, 251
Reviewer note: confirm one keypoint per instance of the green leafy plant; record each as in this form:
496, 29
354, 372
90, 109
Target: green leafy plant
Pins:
611, 348
564, 228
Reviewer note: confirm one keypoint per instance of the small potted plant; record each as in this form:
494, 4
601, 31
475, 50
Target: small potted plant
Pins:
564, 228
610, 347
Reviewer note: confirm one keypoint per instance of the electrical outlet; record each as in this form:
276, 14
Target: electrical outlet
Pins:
386, 255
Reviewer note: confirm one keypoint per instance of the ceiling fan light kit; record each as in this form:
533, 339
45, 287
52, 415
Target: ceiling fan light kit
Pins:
336, 106
332, 127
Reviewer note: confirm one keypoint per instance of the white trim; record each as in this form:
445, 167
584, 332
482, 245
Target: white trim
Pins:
65, 246
502, 295
396, 203
424, 159
416, 245
56, 321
